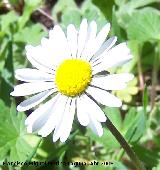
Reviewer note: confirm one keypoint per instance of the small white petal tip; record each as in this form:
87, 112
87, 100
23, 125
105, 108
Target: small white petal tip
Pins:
118, 103
21, 109
12, 93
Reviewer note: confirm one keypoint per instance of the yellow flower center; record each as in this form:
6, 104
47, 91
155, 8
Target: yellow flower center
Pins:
73, 76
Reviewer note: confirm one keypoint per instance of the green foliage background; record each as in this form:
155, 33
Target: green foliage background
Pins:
134, 21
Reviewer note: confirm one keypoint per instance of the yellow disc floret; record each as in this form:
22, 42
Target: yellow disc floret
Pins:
73, 76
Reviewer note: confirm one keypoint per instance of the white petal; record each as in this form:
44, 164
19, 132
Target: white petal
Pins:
44, 42
82, 36
59, 126
91, 35
101, 37
29, 129
104, 97
114, 57
67, 121
35, 100
39, 123
42, 112
72, 39
58, 46
31, 88
82, 114
30, 75
37, 58
51, 51
112, 82
93, 109
55, 117
96, 126
105, 47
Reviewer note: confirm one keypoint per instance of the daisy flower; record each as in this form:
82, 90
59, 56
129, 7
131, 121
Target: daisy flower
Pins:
70, 69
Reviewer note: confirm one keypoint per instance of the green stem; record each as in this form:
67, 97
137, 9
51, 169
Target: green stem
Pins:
35, 150
121, 153
155, 74
138, 164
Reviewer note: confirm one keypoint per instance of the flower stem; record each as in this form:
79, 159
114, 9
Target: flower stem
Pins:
46, 15
155, 75
138, 164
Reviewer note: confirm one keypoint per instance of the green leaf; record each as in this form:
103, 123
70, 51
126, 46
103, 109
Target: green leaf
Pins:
61, 6
13, 2
129, 119
75, 18
136, 128
126, 10
106, 7
144, 25
116, 30
46, 148
7, 75
30, 35
3, 53
63, 9
140, 3
149, 157
120, 2
114, 115
97, 167
157, 167
14, 141
6, 20
119, 166
108, 140
29, 7
92, 12
145, 99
